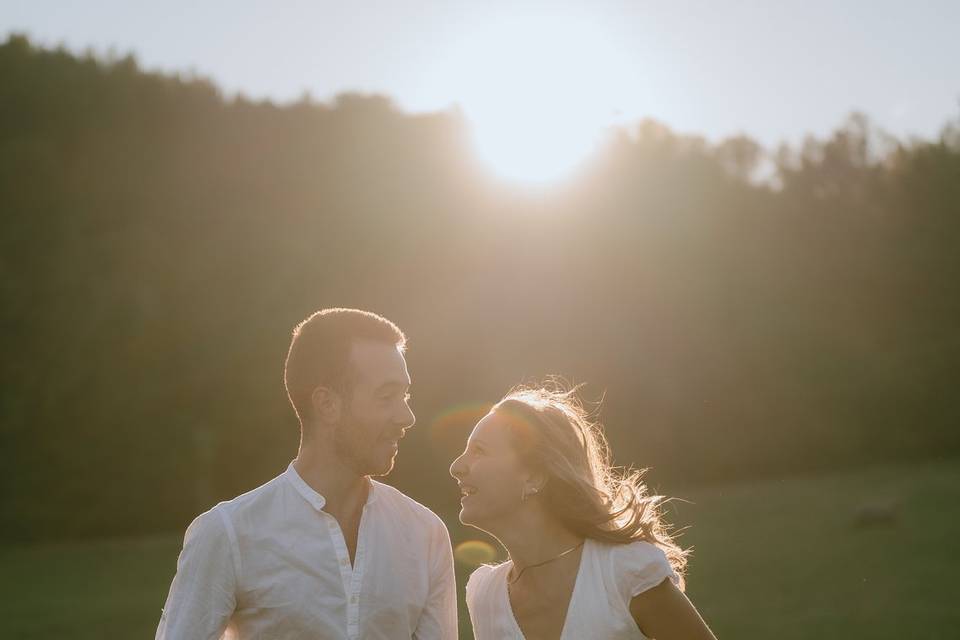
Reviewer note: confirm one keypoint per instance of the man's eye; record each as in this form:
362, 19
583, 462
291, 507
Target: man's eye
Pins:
393, 396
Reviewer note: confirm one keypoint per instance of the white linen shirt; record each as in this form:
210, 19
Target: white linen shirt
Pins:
271, 564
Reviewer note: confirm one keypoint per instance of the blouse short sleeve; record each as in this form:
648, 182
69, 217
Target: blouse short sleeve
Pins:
480, 603
473, 582
640, 566
477, 587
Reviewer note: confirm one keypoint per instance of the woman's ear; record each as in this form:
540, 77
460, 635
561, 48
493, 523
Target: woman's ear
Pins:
535, 483
327, 405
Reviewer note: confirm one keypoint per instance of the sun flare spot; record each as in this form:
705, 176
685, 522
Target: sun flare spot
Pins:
473, 553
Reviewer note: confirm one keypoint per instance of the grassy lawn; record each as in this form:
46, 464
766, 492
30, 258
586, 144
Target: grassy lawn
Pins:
774, 559
783, 559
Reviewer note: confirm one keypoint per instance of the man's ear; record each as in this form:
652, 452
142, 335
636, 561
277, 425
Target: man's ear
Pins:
327, 405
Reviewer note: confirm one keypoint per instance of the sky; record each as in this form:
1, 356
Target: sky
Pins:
774, 70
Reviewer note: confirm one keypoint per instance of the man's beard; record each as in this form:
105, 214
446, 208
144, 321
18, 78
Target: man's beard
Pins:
355, 452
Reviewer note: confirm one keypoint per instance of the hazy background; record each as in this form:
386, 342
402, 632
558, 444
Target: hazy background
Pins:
775, 70
771, 315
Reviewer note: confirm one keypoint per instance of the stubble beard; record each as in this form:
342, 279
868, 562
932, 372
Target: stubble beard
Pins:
355, 452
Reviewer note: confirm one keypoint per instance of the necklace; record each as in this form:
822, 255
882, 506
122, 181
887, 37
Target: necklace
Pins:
547, 561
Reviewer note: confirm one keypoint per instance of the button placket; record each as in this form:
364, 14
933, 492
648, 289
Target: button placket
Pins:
340, 545
359, 564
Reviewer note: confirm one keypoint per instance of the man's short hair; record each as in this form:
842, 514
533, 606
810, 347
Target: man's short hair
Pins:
319, 353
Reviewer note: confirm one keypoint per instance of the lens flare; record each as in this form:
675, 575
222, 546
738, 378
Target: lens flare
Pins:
450, 429
473, 553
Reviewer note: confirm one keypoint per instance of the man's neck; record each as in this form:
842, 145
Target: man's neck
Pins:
343, 490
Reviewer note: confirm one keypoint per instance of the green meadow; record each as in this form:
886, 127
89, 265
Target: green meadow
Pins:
782, 558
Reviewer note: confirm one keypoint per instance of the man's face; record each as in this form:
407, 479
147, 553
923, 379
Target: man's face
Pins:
376, 410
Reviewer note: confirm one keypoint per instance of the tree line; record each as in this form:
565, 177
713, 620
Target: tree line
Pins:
160, 240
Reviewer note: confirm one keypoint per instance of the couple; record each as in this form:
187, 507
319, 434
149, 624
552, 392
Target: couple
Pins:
323, 551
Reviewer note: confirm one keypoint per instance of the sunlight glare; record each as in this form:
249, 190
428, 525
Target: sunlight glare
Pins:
539, 95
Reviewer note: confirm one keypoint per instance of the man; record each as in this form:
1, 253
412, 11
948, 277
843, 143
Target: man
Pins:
323, 551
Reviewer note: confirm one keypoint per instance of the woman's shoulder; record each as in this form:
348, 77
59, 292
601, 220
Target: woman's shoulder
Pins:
638, 551
484, 575
637, 566
487, 601
481, 587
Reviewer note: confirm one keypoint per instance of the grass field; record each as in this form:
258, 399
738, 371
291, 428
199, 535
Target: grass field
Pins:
774, 559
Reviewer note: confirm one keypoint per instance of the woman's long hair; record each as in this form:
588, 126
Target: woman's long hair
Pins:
555, 435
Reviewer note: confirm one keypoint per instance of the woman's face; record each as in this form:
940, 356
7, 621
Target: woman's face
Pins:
490, 475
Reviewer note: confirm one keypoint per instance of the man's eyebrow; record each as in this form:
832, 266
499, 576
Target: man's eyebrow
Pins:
392, 384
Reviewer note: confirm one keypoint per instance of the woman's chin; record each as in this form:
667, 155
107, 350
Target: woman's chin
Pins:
470, 517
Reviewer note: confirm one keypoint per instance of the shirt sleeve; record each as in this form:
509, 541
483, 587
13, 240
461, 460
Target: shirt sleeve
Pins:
438, 620
203, 593
640, 566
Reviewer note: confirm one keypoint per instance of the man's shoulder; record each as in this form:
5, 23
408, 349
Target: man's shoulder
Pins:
403, 503
260, 497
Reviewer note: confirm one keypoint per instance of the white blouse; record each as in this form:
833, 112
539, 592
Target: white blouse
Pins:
610, 575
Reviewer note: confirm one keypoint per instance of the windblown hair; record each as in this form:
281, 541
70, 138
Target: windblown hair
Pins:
554, 434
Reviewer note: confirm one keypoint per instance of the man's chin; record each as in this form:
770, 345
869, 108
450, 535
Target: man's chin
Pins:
383, 463
381, 467
380, 473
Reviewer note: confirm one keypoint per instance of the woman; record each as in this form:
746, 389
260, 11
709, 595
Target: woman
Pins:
589, 555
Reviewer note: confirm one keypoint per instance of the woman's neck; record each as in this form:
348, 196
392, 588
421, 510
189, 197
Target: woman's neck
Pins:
534, 537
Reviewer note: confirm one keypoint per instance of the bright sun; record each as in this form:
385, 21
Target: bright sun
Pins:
539, 95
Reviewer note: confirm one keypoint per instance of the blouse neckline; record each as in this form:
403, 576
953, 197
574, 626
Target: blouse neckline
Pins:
570, 607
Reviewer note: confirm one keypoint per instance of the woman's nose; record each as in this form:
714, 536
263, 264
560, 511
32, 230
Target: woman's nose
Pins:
405, 417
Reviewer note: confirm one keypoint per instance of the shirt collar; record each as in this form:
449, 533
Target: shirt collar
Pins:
314, 498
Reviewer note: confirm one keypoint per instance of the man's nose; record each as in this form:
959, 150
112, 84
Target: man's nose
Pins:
456, 469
